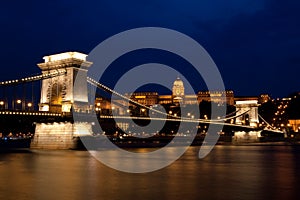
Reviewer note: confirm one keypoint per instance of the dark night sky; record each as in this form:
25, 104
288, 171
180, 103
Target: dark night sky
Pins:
255, 43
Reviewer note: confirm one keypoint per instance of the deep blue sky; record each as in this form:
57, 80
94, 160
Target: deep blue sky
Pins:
255, 43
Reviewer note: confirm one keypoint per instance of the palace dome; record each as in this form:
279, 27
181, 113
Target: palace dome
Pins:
178, 82
178, 87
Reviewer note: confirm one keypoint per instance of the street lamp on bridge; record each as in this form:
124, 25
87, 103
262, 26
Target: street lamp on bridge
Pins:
2, 105
17, 106
29, 105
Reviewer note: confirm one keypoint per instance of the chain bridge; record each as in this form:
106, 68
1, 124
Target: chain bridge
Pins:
43, 105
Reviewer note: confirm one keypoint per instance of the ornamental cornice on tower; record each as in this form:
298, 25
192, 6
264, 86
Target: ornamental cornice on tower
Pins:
63, 60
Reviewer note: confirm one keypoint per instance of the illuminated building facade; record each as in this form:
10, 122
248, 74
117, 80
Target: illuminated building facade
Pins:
219, 97
295, 124
263, 98
145, 98
190, 99
103, 106
165, 99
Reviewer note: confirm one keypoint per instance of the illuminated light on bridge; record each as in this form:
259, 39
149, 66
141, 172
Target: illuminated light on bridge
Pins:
30, 113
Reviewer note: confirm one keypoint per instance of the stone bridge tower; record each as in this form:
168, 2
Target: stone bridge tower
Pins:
57, 92
58, 95
251, 117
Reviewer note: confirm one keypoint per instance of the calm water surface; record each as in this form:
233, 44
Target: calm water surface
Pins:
229, 172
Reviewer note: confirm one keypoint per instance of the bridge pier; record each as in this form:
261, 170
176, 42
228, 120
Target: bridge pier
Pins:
64, 135
246, 136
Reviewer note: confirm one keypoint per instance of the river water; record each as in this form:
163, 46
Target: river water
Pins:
228, 172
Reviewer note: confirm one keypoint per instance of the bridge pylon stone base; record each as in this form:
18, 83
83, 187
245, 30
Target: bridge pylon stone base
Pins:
246, 137
59, 135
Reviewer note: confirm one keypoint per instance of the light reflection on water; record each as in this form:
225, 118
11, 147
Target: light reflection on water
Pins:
228, 172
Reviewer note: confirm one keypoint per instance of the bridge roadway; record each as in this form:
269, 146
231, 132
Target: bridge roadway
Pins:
119, 118
16, 120
89, 116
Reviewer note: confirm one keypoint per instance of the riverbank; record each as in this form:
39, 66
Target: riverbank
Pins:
92, 142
